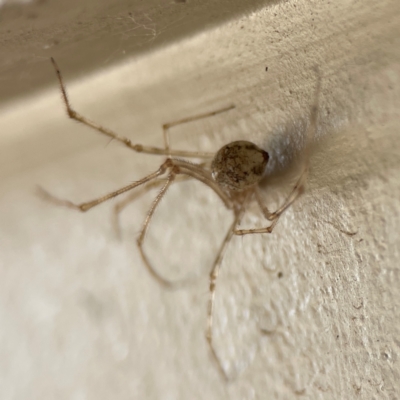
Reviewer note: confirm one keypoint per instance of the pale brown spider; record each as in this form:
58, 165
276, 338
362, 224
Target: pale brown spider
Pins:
235, 172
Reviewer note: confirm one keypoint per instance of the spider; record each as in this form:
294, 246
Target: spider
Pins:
235, 171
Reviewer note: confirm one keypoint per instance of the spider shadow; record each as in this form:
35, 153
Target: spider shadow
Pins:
286, 147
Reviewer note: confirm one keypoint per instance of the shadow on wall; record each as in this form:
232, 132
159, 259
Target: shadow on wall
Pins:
338, 159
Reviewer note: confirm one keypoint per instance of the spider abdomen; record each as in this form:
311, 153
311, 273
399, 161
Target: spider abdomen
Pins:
239, 165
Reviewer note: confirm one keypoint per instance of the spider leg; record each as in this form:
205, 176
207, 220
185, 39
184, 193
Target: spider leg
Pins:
213, 279
264, 209
178, 167
197, 171
127, 142
90, 204
274, 216
121, 205
163, 281
192, 118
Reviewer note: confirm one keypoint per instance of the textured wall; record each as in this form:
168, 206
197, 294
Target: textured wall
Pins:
310, 311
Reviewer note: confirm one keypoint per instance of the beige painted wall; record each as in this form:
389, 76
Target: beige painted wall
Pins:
310, 311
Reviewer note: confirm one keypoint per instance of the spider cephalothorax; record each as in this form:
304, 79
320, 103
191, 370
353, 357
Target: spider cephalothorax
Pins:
239, 165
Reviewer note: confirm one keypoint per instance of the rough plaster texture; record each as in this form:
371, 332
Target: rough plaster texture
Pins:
309, 312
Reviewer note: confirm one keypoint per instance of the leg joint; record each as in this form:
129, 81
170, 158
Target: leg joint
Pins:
71, 113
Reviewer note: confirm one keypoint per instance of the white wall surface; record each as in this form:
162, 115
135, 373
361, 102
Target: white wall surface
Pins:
311, 311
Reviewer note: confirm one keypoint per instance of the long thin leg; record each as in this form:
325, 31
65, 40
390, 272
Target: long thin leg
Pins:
140, 240
196, 171
127, 142
120, 206
190, 119
268, 229
294, 194
297, 190
267, 214
180, 167
90, 204
213, 279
